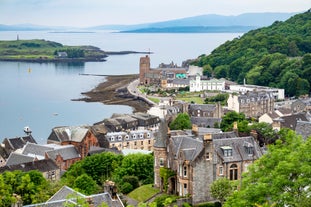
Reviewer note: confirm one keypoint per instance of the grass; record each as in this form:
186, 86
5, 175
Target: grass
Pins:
155, 100
143, 193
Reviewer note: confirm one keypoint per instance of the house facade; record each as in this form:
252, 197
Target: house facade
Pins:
252, 104
197, 161
79, 136
199, 84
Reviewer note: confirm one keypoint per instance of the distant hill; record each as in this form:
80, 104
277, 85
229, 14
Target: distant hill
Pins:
278, 56
197, 23
210, 23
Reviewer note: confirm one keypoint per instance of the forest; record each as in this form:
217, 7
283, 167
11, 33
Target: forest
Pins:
277, 56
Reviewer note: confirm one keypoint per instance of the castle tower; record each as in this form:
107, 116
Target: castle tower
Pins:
144, 67
160, 153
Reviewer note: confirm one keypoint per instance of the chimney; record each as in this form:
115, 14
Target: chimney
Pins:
195, 130
235, 127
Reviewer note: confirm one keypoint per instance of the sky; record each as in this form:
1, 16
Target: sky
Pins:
85, 13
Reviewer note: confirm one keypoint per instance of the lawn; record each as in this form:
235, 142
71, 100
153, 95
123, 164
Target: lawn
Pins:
143, 193
194, 99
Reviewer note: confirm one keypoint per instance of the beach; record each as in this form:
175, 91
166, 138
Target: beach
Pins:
113, 91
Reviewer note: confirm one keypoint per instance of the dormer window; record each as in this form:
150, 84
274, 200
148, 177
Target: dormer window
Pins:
120, 138
227, 150
249, 148
112, 138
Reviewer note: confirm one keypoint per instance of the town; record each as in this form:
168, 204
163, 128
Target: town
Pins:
214, 144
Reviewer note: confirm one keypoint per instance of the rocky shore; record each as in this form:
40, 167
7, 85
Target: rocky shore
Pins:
113, 91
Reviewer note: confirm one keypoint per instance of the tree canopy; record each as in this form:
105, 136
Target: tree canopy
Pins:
281, 177
182, 121
275, 56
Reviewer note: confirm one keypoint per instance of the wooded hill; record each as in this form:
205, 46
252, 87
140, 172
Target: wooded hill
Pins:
43, 50
278, 56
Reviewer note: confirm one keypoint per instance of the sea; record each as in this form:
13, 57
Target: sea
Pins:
39, 95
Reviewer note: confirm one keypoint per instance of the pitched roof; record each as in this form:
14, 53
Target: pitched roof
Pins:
71, 133
67, 194
188, 148
41, 165
67, 152
291, 121
205, 121
35, 149
238, 146
161, 137
303, 128
19, 142
202, 107
16, 158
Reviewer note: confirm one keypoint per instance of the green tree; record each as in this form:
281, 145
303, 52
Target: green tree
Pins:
229, 118
282, 176
221, 189
85, 184
182, 121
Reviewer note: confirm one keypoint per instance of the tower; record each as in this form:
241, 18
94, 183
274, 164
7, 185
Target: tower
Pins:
144, 67
160, 153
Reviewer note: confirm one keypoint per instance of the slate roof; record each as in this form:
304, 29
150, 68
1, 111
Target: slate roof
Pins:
70, 133
205, 121
35, 149
202, 107
187, 148
238, 145
16, 158
19, 142
303, 128
41, 165
67, 152
63, 196
161, 136
291, 121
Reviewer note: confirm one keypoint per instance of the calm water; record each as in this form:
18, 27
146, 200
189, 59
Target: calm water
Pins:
39, 95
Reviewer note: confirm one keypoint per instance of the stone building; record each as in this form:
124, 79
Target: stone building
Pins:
149, 75
79, 136
199, 159
252, 104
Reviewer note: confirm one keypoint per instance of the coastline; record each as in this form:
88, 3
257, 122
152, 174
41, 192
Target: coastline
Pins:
113, 91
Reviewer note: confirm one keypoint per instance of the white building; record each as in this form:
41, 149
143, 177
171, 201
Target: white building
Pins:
198, 84
279, 94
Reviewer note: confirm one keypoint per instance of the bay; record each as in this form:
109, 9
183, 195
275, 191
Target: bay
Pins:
39, 95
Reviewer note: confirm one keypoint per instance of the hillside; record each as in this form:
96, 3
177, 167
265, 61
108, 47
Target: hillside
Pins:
276, 56
42, 50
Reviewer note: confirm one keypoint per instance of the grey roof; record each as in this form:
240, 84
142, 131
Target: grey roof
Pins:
291, 121
256, 96
67, 152
67, 194
41, 165
161, 137
19, 142
71, 133
224, 135
237, 145
181, 81
202, 107
16, 158
35, 149
303, 128
187, 148
205, 121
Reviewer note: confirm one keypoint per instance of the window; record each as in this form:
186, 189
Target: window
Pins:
185, 171
141, 136
227, 150
142, 143
221, 170
233, 172
112, 138
134, 136
249, 150
148, 135
207, 156
120, 138
185, 189
161, 162
135, 143
127, 137
149, 141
